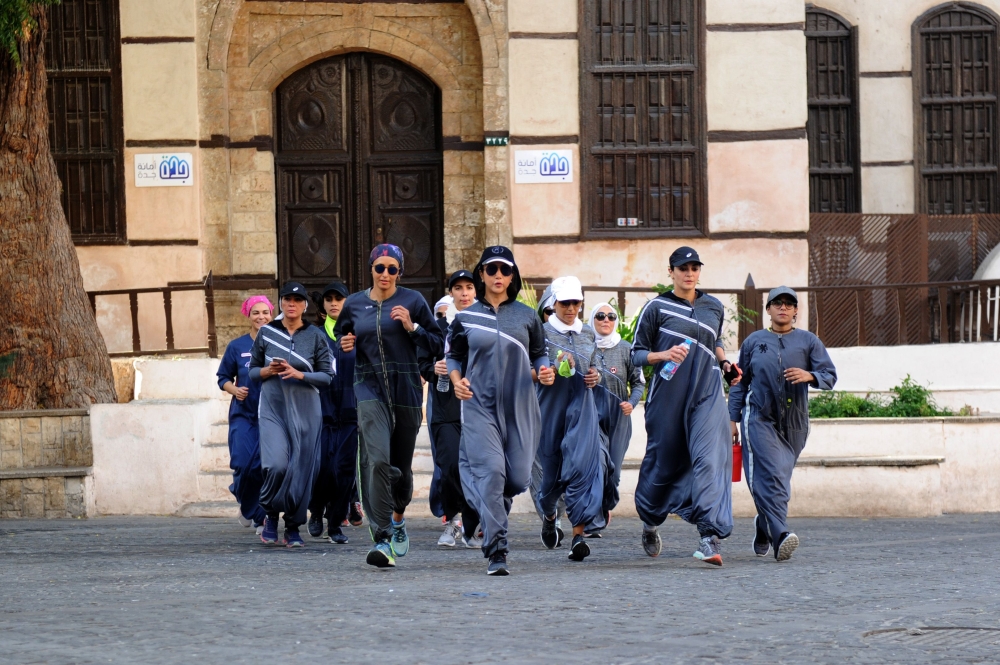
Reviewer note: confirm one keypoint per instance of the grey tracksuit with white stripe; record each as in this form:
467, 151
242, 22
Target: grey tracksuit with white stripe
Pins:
290, 417
496, 351
774, 415
688, 464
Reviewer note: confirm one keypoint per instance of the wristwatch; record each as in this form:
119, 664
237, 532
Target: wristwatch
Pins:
416, 327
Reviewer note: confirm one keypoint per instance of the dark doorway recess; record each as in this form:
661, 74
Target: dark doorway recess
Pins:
358, 162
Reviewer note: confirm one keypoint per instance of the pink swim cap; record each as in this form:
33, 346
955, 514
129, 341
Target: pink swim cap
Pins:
253, 300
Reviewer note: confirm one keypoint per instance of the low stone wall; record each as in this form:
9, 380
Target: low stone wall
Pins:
45, 459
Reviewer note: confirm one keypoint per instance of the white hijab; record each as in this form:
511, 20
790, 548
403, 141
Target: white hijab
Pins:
604, 341
449, 315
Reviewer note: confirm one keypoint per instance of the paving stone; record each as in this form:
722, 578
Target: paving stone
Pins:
169, 590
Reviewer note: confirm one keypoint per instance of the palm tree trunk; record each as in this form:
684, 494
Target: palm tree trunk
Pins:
52, 354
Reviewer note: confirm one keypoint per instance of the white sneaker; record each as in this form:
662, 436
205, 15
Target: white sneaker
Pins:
452, 530
260, 529
244, 522
474, 543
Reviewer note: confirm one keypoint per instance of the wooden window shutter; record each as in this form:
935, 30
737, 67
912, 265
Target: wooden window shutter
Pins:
83, 63
643, 140
955, 77
832, 127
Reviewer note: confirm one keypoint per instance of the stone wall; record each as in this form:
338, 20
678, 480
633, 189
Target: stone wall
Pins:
44, 458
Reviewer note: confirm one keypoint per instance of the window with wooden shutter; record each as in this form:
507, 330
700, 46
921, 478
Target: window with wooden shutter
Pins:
642, 117
955, 72
834, 159
82, 60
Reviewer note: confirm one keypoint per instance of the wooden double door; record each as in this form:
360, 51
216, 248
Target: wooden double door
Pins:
358, 162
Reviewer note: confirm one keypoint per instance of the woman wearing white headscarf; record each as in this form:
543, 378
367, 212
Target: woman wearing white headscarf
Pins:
617, 394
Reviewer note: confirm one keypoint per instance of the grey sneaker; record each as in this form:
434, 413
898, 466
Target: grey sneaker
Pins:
789, 543
498, 565
475, 542
400, 541
651, 543
452, 531
550, 536
761, 542
244, 522
709, 550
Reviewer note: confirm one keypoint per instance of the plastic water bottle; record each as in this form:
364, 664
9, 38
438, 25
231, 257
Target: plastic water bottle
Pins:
670, 368
443, 384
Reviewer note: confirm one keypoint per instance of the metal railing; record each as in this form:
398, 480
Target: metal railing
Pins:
863, 314
211, 346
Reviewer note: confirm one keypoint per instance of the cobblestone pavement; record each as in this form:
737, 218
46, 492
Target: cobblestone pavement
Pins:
165, 590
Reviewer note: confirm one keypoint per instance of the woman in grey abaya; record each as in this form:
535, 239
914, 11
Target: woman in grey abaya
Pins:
687, 469
291, 357
772, 404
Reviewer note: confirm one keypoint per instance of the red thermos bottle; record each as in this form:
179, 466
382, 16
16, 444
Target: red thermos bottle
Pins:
737, 462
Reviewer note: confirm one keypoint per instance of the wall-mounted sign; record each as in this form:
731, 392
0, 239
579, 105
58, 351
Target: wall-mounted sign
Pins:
164, 170
543, 166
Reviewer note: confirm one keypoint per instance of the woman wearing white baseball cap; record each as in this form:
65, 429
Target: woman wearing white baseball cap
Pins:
570, 446
687, 469
771, 403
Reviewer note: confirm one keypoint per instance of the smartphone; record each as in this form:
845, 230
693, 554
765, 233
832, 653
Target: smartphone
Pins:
733, 373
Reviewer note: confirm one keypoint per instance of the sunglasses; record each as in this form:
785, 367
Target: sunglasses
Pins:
600, 316
505, 270
440, 315
381, 268
784, 304
569, 303
549, 311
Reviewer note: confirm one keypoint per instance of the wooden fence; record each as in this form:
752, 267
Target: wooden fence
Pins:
211, 342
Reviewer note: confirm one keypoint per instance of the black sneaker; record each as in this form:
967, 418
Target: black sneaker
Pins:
789, 543
561, 536
315, 525
580, 549
550, 536
651, 543
337, 536
498, 565
761, 542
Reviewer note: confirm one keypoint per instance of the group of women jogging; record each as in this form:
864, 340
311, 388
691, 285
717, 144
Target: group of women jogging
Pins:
328, 398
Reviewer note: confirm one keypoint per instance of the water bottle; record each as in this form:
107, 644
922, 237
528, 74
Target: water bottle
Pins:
443, 384
670, 368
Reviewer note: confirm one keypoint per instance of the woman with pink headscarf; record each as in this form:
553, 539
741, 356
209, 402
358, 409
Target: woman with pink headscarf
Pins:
244, 443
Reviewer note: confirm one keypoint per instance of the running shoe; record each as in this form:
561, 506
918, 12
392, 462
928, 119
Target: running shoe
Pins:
260, 529
560, 533
592, 534
761, 543
498, 565
244, 522
580, 549
474, 542
337, 536
316, 525
651, 543
452, 532
709, 551
400, 541
789, 543
293, 539
269, 534
356, 516
550, 536
381, 556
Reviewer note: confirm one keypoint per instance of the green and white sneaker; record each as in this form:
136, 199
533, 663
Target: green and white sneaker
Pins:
381, 556
400, 541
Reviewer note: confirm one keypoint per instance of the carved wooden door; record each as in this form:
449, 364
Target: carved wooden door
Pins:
359, 162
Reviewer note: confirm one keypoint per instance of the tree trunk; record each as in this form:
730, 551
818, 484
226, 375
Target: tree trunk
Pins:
52, 354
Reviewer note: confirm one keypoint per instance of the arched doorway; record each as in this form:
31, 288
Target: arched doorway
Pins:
358, 161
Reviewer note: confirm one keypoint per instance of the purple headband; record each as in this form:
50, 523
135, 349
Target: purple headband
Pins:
385, 249
253, 300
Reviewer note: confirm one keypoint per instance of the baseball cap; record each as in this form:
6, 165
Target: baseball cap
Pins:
684, 255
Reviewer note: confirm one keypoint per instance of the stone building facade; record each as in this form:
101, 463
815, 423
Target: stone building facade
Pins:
685, 121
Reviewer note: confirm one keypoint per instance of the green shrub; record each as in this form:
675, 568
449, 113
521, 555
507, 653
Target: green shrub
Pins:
909, 400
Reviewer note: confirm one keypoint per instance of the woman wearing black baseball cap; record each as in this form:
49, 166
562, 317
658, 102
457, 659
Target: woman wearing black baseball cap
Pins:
292, 359
386, 324
496, 346
772, 404
687, 469
338, 469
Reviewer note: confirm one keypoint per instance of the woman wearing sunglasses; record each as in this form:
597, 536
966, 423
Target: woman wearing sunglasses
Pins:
617, 394
386, 324
687, 469
570, 446
495, 347
772, 404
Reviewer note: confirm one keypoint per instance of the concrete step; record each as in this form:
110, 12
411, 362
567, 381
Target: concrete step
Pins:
218, 433
214, 486
210, 509
214, 457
